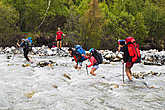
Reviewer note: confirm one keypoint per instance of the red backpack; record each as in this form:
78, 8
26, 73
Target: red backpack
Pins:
133, 50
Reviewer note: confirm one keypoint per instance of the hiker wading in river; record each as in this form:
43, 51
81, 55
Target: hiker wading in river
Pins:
131, 54
25, 44
78, 57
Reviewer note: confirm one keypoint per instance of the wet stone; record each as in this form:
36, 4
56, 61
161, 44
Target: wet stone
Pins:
30, 95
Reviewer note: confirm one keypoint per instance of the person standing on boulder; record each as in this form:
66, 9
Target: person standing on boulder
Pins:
131, 54
59, 35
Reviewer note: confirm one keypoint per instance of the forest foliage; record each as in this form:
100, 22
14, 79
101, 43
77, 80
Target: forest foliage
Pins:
90, 23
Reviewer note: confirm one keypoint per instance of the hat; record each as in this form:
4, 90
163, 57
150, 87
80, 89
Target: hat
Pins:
91, 50
121, 42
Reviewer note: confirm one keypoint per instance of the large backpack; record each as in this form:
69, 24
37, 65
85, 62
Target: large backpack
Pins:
28, 44
133, 50
96, 55
30, 40
80, 50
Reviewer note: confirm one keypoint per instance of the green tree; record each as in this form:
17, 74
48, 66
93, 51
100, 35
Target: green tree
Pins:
8, 20
91, 26
8, 24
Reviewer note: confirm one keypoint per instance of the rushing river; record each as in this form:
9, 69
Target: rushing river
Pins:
47, 88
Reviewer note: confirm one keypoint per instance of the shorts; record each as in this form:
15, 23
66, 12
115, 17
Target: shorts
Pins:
95, 66
129, 64
58, 39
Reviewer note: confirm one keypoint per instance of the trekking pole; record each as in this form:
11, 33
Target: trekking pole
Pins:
87, 69
123, 71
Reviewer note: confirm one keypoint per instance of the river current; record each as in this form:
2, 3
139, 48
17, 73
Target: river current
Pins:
61, 87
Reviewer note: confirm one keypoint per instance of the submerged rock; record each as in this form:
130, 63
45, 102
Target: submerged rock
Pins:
67, 76
55, 86
49, 63
142, 75
114, 85
25, 65
30, 95
152, 63
9, 56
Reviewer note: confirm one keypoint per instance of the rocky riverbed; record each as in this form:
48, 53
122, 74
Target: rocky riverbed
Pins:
59, 86
150, 57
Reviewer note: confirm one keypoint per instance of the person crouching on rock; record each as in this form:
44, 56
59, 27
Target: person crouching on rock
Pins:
93, 62
25, 45
78, 58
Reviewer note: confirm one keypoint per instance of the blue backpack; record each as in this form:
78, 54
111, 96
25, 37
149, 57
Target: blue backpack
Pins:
80, 50
30, 39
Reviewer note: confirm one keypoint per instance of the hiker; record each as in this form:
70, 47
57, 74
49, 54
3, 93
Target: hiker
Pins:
131, 54
93, 62
78, 57
25, 44
59, 36
95, 59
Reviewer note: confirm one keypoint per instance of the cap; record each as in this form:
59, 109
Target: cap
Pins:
121, 42
91, 50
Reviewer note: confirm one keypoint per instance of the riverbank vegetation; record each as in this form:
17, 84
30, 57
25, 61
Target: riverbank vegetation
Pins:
91, 23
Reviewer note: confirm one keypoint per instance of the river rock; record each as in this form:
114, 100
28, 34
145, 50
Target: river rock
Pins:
150, 57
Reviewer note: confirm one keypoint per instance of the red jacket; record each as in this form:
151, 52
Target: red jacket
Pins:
59, 35
92, 60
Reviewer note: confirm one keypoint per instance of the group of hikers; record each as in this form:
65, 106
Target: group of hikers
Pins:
26, 44
80, 55
128, 46
131, 55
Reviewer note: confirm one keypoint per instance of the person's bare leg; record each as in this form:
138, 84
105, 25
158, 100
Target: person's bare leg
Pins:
57, 44
79, 68
128, 72
60, 44
92, 71
76, 66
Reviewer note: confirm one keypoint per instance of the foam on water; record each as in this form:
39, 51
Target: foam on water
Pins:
31, 88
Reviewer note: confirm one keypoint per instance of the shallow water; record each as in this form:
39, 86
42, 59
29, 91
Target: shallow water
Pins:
34, 88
